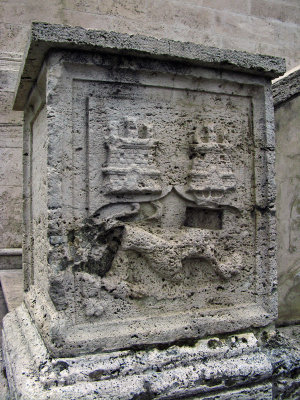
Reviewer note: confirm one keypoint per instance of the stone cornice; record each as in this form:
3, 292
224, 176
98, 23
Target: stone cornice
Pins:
44, 36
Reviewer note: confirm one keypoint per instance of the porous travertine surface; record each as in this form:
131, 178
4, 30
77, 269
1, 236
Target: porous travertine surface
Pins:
261, 366
258, 26
286, 88
150, 202
149, 214
45, 36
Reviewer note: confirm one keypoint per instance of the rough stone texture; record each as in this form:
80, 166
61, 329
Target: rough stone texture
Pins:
261, 27
268, 27
141, 204
45, 36
287, 117
149, 214
286, 88
246, 366
284, 356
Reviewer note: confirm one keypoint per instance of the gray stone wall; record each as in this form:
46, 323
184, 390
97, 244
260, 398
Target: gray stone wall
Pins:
287, 117
258, 26
10, 156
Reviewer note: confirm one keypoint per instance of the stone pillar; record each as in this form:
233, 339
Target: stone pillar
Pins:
149, 217
287, 117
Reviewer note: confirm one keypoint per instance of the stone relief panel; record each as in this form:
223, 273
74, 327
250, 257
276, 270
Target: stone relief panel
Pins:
169, 223
211, 174
154, 182
130, 161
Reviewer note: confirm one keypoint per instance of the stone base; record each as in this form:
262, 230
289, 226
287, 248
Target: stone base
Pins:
229, 367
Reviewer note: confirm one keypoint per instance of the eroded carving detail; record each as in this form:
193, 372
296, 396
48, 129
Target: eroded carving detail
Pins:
211, 175
130, 166
166, 255
97, 242
90, 291
159, 237
130, 251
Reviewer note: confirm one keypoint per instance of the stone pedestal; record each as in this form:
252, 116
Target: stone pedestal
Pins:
149, 215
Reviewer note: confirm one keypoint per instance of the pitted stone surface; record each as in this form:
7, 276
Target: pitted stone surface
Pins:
46, 36
286, 88
223, 368
149, 219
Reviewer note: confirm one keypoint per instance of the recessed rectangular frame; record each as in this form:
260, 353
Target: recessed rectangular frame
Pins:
60, 70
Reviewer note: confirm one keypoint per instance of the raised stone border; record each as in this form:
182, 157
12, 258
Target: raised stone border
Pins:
46, 36
212, 368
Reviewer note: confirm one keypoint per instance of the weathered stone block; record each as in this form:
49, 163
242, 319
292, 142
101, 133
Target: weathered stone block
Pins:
149, 209
148, 189
287, 101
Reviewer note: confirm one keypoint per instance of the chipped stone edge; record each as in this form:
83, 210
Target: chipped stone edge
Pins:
44, 36
216, 366
286, 88
32, 373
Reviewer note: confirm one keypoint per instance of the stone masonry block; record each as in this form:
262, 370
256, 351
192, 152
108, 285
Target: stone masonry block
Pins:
148, 218
186, 164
